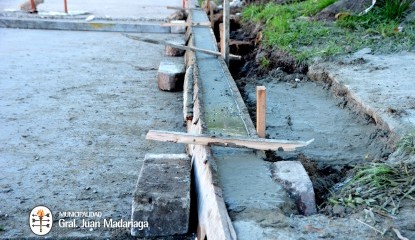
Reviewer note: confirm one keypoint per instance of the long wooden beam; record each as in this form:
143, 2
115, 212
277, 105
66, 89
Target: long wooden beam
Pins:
181, 8
206, 24
199, 139
154, 41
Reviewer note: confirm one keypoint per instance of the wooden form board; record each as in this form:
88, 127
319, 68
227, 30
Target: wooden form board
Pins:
153, 41
226, 30
206, 24
199, 139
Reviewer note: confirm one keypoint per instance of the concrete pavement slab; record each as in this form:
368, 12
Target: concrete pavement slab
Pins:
381, 84
75, 108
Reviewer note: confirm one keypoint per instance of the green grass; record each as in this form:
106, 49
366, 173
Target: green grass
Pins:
265, 62
288, 28
394, 9
378, 186
407, 143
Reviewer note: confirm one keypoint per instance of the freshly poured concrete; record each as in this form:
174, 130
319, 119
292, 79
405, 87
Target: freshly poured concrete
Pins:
383, 85
245, 178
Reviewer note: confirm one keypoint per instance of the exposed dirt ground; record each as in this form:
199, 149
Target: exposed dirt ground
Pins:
73, 118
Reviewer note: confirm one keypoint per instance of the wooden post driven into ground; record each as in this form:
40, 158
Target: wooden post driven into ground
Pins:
225, 41
33, 6
65, 5
261, 96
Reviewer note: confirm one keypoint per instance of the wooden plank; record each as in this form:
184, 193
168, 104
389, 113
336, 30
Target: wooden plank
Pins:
154, 41
214, 221
226, 30
199, 139
181, 8
188, 94
261, 96
201, 24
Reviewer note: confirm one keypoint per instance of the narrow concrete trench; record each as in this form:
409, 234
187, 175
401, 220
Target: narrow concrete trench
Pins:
303, 109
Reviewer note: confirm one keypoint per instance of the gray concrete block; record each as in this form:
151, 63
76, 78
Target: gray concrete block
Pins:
178, 29
294, 178
162, 195
81, 25
170, 75
172, 51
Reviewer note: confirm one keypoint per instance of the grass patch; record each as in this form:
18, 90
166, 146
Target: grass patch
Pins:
394, 9
265, 62
377, 186
287, 27
407, 143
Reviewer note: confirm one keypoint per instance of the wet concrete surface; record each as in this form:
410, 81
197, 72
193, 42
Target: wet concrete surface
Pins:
248, 188
345, 135
75, 108
305, 110
382, 84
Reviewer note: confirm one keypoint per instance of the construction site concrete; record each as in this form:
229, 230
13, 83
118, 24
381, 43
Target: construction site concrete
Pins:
76, 107
163, 200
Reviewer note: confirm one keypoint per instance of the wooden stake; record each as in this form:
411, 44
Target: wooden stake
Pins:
226, 26
261, 101
33, 6
253, 143
212, 24
154, 41
65, 6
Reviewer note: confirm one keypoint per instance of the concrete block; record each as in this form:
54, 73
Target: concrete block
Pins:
170, 75
82, 25
294, 178
162, 195
178, 29
172, 51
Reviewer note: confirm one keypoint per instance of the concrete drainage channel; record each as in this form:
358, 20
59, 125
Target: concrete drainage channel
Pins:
226, 180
